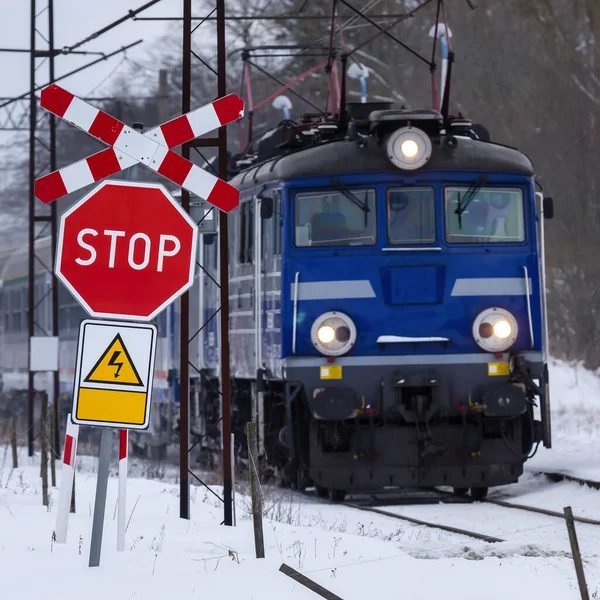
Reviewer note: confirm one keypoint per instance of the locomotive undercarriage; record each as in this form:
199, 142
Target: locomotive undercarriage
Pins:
418, 428
424, 427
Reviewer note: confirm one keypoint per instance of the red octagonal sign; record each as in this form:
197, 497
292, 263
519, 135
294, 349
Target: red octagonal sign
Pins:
126, 250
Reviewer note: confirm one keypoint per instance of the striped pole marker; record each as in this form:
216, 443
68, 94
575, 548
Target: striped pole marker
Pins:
129, 147
122, 500
233, 475
66, 481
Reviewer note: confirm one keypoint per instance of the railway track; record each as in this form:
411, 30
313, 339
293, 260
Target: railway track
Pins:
541, 511
534, 509
564, 477
449, 497
466, 532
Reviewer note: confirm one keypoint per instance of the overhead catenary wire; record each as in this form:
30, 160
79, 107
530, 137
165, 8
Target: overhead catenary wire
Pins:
77, 70
386, 30
312, 104
358, 15
109, 74
282, 17
94, 36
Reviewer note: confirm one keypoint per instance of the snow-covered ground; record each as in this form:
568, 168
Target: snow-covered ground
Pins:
575, 399
352, 553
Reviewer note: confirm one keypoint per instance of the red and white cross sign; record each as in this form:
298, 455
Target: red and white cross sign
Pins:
129, 147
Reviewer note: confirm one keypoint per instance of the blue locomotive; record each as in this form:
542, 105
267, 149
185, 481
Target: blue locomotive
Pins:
387, 296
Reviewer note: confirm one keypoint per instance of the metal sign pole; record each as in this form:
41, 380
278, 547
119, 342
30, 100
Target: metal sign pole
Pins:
184, 322
224, 280
54, 234
31, 231
100, 502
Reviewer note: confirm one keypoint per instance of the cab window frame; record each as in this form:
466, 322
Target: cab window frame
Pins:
372, 200
486, 239
434, 211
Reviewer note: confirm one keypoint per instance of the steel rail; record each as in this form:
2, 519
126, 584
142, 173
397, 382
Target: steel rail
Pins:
473, 534
536, 509
541, 511
562, 477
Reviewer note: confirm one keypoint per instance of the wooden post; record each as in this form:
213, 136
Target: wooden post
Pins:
44, 448
259, 542
52, 446
308, 583
13, 440
576, 554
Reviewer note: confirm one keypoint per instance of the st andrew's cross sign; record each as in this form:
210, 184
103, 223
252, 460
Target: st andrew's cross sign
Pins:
129, 147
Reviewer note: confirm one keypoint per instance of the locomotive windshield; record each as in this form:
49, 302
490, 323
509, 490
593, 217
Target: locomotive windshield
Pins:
411, 216
333, 218
492, 216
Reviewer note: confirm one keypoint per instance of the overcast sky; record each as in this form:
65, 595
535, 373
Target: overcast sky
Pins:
74, 20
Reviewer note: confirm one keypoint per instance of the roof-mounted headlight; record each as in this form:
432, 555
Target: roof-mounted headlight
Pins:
495, 330
333, 333
409, 148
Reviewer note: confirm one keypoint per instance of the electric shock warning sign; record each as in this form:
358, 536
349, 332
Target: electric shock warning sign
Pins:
114, 373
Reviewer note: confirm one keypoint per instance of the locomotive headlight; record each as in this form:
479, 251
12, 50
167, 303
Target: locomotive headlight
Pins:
495, 330
409, 148
333, 333
326, 334
502, 329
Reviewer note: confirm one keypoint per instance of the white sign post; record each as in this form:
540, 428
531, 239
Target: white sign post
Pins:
66, 481
122, 500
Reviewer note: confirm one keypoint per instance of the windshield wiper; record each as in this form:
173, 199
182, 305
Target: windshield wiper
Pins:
469, 195
337, 184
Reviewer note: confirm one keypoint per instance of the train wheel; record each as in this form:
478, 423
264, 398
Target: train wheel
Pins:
479, 493
460, 491
337, 495
320, 491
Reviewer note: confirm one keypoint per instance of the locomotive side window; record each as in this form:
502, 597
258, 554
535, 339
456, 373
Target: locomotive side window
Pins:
246, 236
490, 216
241, 219
272, 229
333, 218
277, 222
411, 216
249, 232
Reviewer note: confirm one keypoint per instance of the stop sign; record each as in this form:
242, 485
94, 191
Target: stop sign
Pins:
126, 250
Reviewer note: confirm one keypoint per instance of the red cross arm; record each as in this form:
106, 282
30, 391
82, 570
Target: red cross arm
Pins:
128, 147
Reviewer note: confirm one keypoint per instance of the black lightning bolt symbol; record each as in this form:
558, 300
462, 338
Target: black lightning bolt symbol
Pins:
113, 362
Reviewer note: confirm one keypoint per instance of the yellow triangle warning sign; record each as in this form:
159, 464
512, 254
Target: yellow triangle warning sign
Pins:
115, 366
